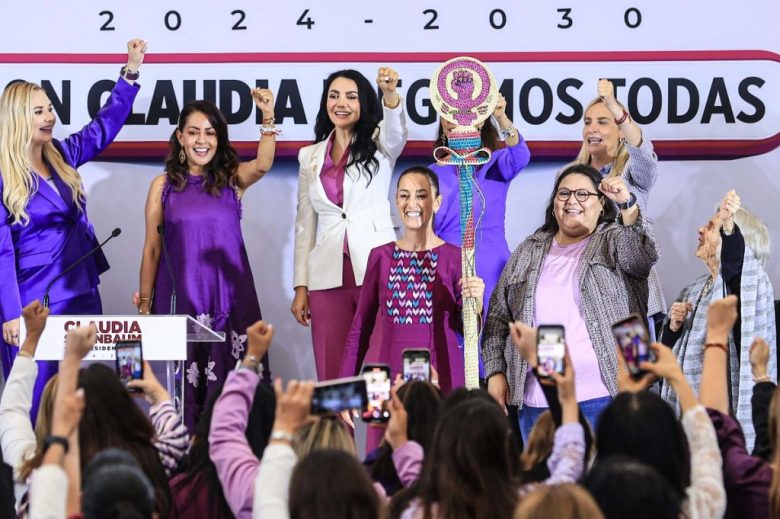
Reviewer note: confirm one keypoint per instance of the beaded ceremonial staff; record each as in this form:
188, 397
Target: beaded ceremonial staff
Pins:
464, 92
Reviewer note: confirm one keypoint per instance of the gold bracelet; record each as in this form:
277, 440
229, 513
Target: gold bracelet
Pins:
23, 353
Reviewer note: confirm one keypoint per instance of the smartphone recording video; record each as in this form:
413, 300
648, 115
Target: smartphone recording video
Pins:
550, 349
343, 394
377, 377
633, 340
417, 365
129, 361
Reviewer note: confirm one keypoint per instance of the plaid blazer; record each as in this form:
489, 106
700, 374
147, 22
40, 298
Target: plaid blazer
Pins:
613, 273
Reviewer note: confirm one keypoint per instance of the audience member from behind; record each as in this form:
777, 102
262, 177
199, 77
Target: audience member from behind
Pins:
116, 487
472, 467
638, 424
422, 401
331, 484
747, 478
565, 501
241, 424
157, 444
625, 488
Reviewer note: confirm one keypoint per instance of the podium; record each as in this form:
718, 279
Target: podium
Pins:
164, 338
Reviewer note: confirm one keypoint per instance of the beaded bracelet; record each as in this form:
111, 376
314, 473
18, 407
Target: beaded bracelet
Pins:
269, 130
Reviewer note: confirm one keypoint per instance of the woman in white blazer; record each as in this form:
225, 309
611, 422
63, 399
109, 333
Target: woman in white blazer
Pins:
343, 206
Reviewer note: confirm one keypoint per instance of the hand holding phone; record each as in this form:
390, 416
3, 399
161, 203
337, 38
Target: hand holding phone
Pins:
343, 394
633, 342
377, 377
129, 361
550, 350
417, 365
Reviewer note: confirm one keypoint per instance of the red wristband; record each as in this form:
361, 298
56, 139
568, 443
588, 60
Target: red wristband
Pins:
622, 119
717, 345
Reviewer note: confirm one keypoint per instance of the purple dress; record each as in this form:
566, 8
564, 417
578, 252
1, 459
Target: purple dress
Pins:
417, 297
214, 284
493, 178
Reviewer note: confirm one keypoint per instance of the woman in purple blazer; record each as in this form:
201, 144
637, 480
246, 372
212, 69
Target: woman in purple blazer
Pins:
43, 224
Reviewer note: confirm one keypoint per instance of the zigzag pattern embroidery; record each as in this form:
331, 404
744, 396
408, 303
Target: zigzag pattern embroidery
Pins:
410, 284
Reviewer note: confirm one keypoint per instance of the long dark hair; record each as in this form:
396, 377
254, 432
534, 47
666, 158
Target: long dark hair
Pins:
644, 427
112, 419
200, 473
609, 214
115, 486
472, 467
422, 401
330, 483
363, 147
488, 134
220, 171
624, 487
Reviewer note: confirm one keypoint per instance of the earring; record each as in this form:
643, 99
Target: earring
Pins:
443, 137
182, 156
602, 212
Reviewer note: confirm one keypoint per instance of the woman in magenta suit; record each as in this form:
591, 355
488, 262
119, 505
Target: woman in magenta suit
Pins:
414, 285
44, 226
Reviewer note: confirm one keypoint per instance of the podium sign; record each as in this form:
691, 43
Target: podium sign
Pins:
164, 337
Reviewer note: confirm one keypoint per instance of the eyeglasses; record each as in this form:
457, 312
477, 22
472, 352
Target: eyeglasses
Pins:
581, 195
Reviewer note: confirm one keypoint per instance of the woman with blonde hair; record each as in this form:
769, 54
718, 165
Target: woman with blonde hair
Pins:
613, 144
44, 227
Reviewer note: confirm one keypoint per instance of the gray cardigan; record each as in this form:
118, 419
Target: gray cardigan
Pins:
613, 275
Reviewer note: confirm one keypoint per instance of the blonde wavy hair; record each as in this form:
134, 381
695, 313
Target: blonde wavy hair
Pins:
16, 129
621, 154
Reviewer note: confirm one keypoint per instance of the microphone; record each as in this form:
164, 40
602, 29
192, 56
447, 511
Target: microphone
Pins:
161, 232
116, 232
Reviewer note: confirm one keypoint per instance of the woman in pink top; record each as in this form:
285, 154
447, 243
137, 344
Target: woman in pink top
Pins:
585, 269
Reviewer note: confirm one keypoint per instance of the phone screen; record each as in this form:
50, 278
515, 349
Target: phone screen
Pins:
417, 365
633, 340
378, 389
334, 396
550, 349
129, 361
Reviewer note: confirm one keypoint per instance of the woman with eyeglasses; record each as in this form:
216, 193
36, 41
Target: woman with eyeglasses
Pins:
582, 269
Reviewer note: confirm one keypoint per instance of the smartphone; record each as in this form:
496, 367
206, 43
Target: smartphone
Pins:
417, 365
129, 361
633, 341
377, 377
550, 349
343, 394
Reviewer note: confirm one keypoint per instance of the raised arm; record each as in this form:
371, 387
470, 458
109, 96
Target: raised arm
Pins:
252, 171
392, 129
713, 390
87, 143
150, 258
228, 447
